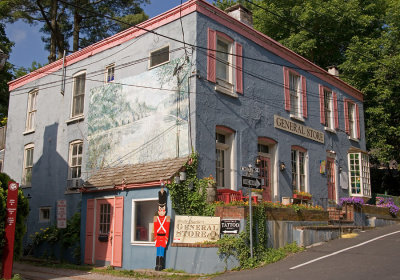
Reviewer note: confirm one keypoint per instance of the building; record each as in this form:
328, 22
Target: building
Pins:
126, 112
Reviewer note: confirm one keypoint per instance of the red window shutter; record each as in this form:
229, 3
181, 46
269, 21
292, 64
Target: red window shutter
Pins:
304, 90
239, 68
321, 104
286, 88
357, 121
89, 232
346, 118
211, 55
118, 229
335, 110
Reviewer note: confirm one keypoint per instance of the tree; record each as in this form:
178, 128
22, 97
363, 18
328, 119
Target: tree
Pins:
380, 81
5, 73
84, 20
319, 30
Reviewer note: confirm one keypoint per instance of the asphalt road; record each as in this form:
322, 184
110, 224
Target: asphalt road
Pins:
374, 254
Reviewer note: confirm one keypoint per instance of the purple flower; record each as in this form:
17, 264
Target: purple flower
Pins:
351, 200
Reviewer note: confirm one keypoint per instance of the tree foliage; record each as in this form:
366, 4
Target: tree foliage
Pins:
5, 73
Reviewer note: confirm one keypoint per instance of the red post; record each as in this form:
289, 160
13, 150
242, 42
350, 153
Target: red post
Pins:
11, 219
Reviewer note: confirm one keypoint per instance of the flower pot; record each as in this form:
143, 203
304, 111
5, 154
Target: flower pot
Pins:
297, 196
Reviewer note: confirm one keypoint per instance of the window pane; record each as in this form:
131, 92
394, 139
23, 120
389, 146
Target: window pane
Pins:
294, 87
143, 225
222, 61
220, 156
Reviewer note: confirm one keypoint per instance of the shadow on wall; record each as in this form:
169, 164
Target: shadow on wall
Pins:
48, 184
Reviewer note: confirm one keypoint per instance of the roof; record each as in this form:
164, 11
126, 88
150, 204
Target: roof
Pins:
186, 8
136, 175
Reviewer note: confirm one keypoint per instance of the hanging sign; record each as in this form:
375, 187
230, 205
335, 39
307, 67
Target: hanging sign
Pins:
11, 219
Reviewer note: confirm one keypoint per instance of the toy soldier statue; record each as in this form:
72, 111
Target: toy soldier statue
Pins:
161, 229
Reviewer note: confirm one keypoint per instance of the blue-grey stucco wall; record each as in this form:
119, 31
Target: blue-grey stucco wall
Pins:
251, 115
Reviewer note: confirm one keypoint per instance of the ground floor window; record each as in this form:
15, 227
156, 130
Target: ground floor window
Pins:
143, 212
44, 214
298, 164
359, 174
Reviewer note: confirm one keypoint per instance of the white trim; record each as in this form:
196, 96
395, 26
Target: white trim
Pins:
292, 116
72, 118
29, 146
31, 111
41, 220
133, 222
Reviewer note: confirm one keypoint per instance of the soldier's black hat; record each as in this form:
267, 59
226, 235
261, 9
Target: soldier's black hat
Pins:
162, 198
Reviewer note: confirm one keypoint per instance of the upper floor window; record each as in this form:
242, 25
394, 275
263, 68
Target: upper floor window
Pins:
78, 95
28, 165
359, 174
298, 164
75, 163
159, 56
328, 108
31, 110
352, 119
295, 93
224, 62
110, 69
224, 138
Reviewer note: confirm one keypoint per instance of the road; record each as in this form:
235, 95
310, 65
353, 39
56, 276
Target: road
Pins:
373, 254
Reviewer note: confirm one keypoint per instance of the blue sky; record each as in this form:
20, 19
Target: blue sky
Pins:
29, 46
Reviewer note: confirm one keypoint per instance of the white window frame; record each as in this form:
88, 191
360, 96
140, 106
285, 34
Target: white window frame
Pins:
74, 181
296, 169
74, 96
133, 222
352, 121
41, 218
295, 92
359, 174
109, 68
26, 167
328, 109
224, 85
161, 63
228, 148
31, 111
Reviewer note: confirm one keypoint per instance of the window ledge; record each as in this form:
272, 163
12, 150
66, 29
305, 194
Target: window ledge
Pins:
28, 132
143, 243
226, 91
354, 139
75, 120
329, 130
25, 186
297, 118
72, 191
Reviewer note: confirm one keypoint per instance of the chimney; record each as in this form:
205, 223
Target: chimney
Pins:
333, 71
240, 13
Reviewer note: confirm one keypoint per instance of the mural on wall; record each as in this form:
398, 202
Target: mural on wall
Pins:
141, 118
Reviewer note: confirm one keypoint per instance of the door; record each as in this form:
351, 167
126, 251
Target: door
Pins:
265, 175
330, 174
104, 232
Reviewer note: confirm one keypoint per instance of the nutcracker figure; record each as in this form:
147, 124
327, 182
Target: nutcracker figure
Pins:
161, 229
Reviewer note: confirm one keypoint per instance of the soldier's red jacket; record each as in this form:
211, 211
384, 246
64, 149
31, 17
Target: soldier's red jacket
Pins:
161, 231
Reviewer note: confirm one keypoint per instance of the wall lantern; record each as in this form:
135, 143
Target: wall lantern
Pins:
182, 175
258, 161
3, 59
177, 180
282, 166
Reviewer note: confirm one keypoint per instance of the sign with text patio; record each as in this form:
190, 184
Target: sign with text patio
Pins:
299, 129
61, 213
196, 229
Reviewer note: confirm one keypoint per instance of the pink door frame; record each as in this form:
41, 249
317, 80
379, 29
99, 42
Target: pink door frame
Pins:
116, 228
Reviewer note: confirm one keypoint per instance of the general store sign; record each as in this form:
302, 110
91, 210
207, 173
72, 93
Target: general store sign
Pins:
196, 229
299, 129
